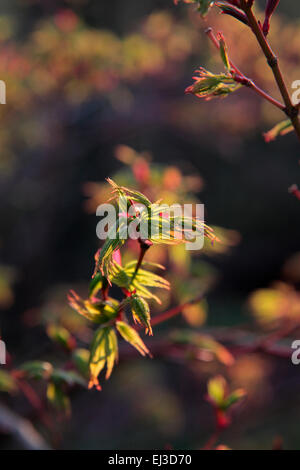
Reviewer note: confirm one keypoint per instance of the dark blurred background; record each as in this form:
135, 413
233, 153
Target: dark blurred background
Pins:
115, 73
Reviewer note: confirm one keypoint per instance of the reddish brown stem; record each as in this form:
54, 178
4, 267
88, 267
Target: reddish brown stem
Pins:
162, 317
144, 246
290, 109
212, 440
105, 289
246, 81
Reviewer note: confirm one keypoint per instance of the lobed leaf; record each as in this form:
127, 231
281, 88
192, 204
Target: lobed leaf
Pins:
208, 85
96, 311
132, 337
122, 277
115, 240
104, 352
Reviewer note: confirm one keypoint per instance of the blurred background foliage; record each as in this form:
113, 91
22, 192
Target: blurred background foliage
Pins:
95, 89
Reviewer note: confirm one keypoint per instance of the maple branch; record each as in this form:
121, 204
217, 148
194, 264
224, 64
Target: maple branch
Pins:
291, 110
243, 79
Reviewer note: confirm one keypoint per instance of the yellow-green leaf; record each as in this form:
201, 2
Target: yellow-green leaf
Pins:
280, 129
131, 336
104, 352
58, 398
141, 312
7, 382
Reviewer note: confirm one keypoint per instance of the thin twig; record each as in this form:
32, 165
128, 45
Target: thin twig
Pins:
246, 81
144, 246
291, 110
162, 317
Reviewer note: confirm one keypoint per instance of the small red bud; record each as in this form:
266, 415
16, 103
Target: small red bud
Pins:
270, 8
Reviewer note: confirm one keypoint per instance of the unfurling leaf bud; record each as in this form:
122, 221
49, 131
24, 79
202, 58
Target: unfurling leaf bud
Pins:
223, 51
232, 10
280, 129
141, 312
270, 8
208, 85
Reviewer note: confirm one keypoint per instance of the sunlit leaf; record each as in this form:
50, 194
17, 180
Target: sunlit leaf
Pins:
61, 335
217, 390
95, 284
208, 85
223, 51
104, 352
132, 194
98, 312
141, 312
220, 397
115, 240
283, 128
122, 277
131, 336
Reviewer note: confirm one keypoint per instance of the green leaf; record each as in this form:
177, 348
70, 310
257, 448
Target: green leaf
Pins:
234, 397
7, 382
81, 358
37, 369
223, 52
104, 352
95, 284
122, 277
57, 398
131, 336
280, 129
174, 229
141, 312
116, 238
61, 335
217, 389
67, 376
98, 312
132, 194
208, 85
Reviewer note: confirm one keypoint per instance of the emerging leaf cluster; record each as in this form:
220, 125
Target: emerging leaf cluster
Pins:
134, 279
